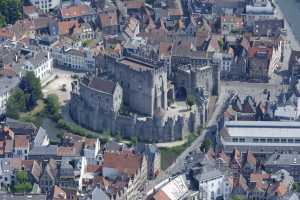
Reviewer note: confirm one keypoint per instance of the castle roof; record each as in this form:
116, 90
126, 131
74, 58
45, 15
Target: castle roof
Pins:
103, 85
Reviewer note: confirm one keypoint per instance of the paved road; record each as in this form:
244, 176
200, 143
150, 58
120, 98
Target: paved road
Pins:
178, 165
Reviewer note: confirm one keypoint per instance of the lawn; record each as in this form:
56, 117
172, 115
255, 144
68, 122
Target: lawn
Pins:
36, 115
169, 155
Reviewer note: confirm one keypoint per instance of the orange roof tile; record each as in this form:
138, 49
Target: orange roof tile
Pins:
66, 151
108, 19
128, 163
64, 27
21, 141
75, 11
93, 168
161, 195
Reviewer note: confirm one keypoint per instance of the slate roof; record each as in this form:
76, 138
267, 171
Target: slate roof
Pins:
102, 85
44, 150
21, 128
209, 174
40, 137
271, 27
7, 83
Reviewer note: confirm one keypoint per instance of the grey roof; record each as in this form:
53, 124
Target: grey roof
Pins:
21, 128
44, 150
275, 124
8, 83
292, 196
36, 59
23, 197
147, 148
283, 159
208, 174
76, 52
102, 85
40, 136
98, 193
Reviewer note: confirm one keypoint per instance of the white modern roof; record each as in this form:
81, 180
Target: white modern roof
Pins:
261, 129
176, 188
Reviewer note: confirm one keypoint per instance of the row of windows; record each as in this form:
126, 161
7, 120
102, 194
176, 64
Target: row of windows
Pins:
268, 140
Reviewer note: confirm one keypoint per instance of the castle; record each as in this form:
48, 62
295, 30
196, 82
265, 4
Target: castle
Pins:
133, 96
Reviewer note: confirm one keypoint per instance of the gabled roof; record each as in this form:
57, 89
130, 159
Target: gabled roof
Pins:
33, 167
176, 189
250, 159
76, 11
40, 137
108, 19
21, 141
125, 162
58, 193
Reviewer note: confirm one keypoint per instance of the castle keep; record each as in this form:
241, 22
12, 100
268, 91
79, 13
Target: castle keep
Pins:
132, 96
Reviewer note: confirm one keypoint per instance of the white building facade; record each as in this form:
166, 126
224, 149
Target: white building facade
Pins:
213, 184
261, 137
46, 5
41, 64
74, 59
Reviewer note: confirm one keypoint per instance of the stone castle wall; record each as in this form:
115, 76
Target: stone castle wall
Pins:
149, 129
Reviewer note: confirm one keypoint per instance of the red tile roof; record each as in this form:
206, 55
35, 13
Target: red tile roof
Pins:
64, 27
75, 11
161, 195
21, 141
126, 162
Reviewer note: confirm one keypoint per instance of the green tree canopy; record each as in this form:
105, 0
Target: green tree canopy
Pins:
295, 187
10, 10
52, 104
22, 184
22, 176
31, 86
190, 101
16, 103
206, 144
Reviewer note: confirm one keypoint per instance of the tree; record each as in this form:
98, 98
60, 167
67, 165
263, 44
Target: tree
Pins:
52, 104
295, 187
2, 21
11, 10
206, 145
23, 184
16, 103
22, 176
238, 197
190, 101
31, 86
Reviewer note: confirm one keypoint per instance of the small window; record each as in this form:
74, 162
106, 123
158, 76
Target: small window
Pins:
269, 140
262, 140
283, 140
255, 139
290, 141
